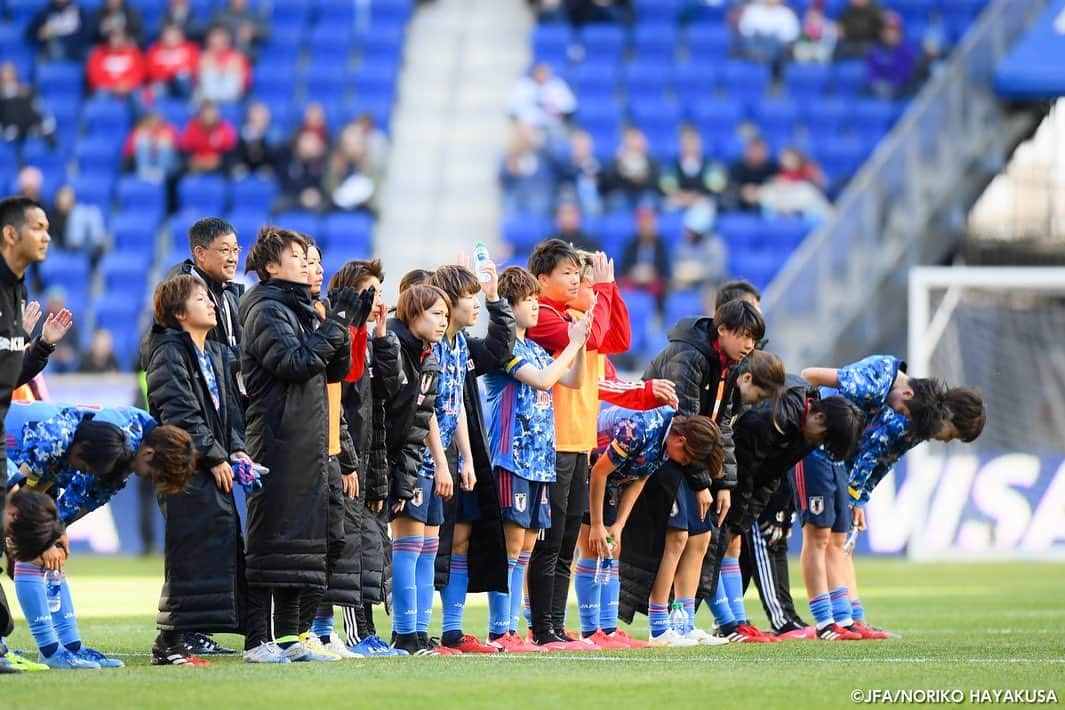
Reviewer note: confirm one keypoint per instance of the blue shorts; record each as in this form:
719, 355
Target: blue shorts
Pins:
685, 513
524, 503
426, 506
467, 507
819, 486
610, 506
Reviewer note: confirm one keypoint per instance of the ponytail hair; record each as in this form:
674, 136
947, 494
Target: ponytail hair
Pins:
702, 441
105, 449
767, 373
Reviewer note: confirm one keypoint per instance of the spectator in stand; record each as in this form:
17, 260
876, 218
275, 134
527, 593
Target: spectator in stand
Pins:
933, 51
30, 182
542, 100
859, 26
117, 15
580, 173
549, 11
245, 26
21, 114
377, 143
65, 357
314, 122
692, 178
890, 62
259, 146
153, 149
179, 13
645, 261
77, 226
796, 189
568, 222
584, 11
100, 358
59, 30
117, 67
749, 173
527, 174
303, 175
819, 36
224, 71
699, 259
209, 140
768, 29
631, 179
349, 180
173, 63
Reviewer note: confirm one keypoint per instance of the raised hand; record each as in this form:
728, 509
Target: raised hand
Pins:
56, 326
30, 316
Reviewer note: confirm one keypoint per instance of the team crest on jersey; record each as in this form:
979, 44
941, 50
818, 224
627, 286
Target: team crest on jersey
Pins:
416, 499
427, 380
521, 502
817, 504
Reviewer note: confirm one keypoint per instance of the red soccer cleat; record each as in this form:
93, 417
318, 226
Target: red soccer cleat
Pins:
806, 632
632, 643
472, 644
607, 642
866, 633
753, 635
835, 632
512, 643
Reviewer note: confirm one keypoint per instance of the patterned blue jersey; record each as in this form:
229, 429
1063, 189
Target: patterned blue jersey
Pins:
454, 360
868, 382
521, 428
635, 442
885, 439
38, 436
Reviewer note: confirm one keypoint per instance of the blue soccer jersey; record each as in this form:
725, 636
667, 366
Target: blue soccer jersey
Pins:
635, 442
454, 359
521, 428
39, 435
885, 439
868, 382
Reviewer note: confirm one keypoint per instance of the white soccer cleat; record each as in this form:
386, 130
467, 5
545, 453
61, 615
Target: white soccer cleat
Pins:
704, 639
671, 639
337, 647
265, 653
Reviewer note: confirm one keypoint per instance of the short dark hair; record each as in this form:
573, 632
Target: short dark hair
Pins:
549, 254
928, 409
740, 317
417, 300
702, 441
414, 277
355, 272
844, 423
269, 244
13, 210
456, 281
204, 231
170, 298
174, 460
105, 449
34, 527
731, 290
967, 412
516, 284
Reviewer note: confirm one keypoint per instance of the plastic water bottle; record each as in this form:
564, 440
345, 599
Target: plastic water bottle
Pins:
604, 566
851, 540
678, 618
480, 260
53, 588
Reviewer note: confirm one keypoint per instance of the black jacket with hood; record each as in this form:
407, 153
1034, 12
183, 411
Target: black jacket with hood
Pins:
409, 412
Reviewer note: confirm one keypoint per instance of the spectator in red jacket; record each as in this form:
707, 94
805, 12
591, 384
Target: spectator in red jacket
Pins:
209, 140
117, 67
224, 71
173, 63
151, 149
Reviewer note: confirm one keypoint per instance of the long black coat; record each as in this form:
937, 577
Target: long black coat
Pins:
362, 573
203, 588
284, 362
409, 412
488, 549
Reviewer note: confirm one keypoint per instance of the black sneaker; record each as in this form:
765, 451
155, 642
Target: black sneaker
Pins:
412, 645
203, 645
175, 655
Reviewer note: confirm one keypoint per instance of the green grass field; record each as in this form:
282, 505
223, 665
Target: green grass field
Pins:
964, 626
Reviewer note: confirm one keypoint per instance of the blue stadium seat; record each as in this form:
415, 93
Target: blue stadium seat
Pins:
648, 79
246, 222
336, 12
176, 112
873, 113
683, 304
740, 230
331, 34
848, 77
126, 271
720, 116
95, 187
652, 109
671, 227
391, 11
708, 41
99, 150
207, 193
179, 231
695, 81
290, 14
785, 233
134, 231
106, 115
8, 159
616, 229
136, 195
115, 309
66, 269
659, 10
775, 115
641, 307
655, 42
371, 75
301, 221
828, 114
551, 43
746, 81
254, 193
66, 78
602, 41
522, 232
807, 79
348, 232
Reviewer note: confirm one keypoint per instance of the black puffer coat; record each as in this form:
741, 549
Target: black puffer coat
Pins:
284, 362
409, 413
203, 588
488, 550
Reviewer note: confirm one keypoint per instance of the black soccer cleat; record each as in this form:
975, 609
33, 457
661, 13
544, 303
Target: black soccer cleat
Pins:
203, 645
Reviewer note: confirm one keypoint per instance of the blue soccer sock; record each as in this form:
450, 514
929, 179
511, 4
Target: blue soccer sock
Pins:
689, 609
453, 598
518, 598
32, 597
66, 623
857, 610
732, 579
722, 610
499, 606
589, 595
821, 610
425, 573
322, 626
658, 618
841, 606
608, 602
405, 553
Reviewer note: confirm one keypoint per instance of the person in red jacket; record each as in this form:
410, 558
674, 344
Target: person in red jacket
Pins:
173, 63
209, 140
117, 67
